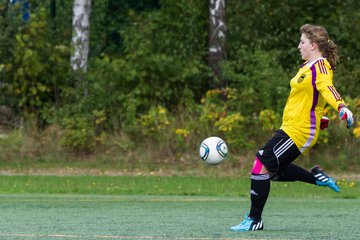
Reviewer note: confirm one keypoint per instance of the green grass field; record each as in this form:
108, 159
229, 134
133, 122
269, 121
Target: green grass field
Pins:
153, 207
68, 216
175, 185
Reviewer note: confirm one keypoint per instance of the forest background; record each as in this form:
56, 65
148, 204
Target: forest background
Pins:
149, 97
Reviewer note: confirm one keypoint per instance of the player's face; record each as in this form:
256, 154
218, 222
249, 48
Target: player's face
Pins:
306, 47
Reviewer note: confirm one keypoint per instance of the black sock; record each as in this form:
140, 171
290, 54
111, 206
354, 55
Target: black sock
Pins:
293, 173
260, 188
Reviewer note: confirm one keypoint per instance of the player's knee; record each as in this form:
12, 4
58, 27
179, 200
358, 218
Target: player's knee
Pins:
258, 167
275, 177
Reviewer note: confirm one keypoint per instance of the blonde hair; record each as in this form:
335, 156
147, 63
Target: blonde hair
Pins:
318, 34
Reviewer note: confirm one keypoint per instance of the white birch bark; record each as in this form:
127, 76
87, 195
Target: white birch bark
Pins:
217, 36
80, 37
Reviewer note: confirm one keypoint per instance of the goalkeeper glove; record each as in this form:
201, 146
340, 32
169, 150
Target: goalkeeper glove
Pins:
324, 123
346, 114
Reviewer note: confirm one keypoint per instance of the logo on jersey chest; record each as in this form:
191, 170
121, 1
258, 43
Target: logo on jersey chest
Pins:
301, 78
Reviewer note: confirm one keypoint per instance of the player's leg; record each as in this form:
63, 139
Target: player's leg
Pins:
324, 180
292, 173
267, 161
260, 188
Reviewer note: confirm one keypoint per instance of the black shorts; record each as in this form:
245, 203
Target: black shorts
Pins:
278, 152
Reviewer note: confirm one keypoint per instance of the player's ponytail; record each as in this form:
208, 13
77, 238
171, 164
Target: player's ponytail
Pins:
331, 54
320, 36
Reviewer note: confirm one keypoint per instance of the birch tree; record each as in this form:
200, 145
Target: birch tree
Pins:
217, 37
80, 37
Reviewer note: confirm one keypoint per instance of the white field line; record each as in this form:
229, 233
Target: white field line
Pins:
74, 236
58, 198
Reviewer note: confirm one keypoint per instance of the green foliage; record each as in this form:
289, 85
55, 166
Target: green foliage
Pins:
29, 84
9, 25
221, 115
83, 135
232, 127
155, 123
270, 120
78, 134
261, 81
11, 143
107, 20
181, 138
161, 62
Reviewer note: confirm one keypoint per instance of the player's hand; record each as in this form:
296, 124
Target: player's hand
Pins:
324, 123
346, 114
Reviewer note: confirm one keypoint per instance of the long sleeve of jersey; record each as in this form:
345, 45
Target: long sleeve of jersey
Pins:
328, 91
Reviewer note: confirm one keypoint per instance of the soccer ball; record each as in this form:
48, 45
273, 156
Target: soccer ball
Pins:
213, 150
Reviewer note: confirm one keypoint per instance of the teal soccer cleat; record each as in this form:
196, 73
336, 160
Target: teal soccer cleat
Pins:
248, 224
324, 180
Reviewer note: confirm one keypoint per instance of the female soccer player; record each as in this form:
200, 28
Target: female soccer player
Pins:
311, 88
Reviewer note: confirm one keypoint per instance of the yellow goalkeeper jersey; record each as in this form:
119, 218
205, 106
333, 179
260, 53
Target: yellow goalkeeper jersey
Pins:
311, 89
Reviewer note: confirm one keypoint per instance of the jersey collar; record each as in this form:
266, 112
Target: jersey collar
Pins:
309, 64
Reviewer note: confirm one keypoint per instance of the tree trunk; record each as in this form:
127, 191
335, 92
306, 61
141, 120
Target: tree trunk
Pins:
217, 37
80, 38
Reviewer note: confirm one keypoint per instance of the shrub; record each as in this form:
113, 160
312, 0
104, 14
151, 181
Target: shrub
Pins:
83, 135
